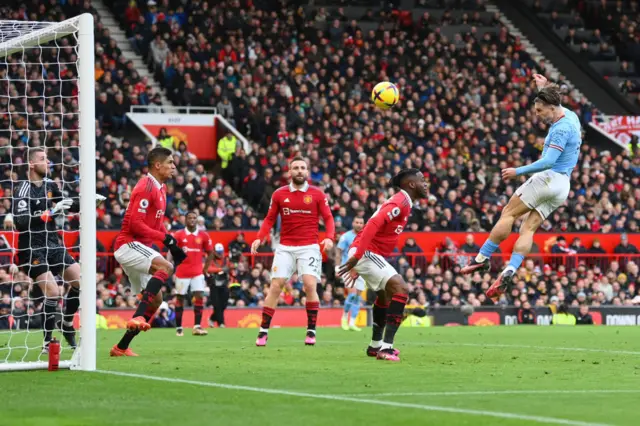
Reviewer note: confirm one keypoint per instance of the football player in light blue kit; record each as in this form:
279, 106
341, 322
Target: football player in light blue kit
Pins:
352, 302
543, 192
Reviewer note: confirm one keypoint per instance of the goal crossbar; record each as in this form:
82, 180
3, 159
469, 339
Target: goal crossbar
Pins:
44, 33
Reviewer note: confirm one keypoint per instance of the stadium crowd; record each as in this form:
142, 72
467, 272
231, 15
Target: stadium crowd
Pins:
297, 80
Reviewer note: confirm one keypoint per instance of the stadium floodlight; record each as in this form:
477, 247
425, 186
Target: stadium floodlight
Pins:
47, 92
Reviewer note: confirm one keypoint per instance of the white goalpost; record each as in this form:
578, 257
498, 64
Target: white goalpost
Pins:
47, 95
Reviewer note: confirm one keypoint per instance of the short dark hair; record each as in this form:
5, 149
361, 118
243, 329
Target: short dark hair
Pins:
298, 158
193, 212
158, 154
398, 180
33, 151
550, 95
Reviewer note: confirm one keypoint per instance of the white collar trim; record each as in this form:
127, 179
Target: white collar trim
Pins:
304, 188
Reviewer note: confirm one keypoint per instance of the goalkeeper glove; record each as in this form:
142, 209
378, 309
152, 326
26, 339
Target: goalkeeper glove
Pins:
176, 252
61, 207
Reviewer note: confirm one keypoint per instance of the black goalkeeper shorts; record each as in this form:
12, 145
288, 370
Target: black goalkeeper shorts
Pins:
37, 261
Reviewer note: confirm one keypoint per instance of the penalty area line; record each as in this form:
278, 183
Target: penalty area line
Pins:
435, 408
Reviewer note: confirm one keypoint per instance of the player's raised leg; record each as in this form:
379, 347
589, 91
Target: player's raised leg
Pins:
520, 251
514, 209
151, 298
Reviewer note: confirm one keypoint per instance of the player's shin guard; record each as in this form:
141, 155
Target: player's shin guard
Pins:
312, 315
198, 304
179, 311
379, 321
267, 315
146, 307
394, 318
50, 309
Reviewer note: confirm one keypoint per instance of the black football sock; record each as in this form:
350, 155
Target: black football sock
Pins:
379, 320
153, 287
312, 315
198, 303
71, 305
50, 309
394, 317
179, 311
123, 344
267, 315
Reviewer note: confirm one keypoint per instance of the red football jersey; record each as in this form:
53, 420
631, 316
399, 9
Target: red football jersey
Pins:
300, 211
144, 219
380, 234
195, 245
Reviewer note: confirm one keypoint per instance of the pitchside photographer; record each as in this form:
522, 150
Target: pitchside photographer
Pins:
218, 281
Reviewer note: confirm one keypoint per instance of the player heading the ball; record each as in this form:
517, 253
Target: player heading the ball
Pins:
367, 260
143, 224
300, 207
542, 193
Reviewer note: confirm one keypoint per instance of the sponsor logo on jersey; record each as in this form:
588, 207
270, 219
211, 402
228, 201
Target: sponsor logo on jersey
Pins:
307, 199
286, 211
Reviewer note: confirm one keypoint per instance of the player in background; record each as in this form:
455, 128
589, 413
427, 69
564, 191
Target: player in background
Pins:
143, 224
367, 259
300, 207
352, 301
542, 193
190, 273
36, 203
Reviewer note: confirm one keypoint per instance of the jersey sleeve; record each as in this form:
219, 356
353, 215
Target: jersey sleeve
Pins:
139, 205
387, 214
272, 216
207, 243
559, 136
22, 209
325, 211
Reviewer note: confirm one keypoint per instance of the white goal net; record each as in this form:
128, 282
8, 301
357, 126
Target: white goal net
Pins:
47, 193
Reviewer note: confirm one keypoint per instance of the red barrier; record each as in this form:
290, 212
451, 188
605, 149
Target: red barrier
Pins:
240, 318
428, 241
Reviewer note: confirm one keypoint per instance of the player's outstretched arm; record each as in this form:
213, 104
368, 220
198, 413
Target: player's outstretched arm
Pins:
556, 146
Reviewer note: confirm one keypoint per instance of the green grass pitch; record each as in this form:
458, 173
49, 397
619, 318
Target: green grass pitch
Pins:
448, 376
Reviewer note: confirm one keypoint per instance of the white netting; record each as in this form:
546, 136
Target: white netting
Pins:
39, 116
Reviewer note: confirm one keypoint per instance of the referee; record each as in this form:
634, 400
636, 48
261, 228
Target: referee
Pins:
36, 203
219, 284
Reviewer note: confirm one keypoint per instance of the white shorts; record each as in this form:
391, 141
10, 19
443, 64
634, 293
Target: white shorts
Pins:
307, 260
195, 284
374, 269
135, 259
545, 192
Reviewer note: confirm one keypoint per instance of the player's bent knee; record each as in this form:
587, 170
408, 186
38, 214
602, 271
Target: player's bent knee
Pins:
397, 285
160, 264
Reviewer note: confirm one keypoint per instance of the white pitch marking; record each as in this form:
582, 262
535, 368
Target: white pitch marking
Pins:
500, 392
436, 408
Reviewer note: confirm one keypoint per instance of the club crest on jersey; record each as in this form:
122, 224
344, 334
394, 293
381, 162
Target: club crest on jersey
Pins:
307, 199
198, 240
49, 194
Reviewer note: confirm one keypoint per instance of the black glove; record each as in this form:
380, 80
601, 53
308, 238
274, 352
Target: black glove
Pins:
176, 252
